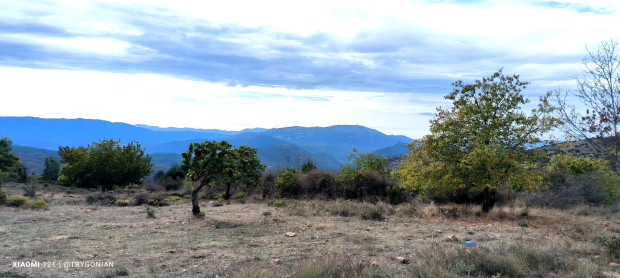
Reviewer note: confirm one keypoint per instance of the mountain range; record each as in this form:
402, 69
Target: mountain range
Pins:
328, 147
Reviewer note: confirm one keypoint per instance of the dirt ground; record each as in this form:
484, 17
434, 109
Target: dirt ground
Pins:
74, 239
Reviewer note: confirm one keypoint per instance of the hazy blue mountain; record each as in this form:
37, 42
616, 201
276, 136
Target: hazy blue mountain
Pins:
397, 149
279, 157
51, 133
280, 147
34, 158
338, 141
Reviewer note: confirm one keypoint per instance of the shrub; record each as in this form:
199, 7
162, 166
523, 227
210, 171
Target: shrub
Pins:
122, 203
172, 199
289, 183
17, 201
319, 182
373, 213
268, 183
150, 212
141, 199
101, 199
38, 203
3, 196
171, 183
240, 197
30, 190
361, 184
119, 272
157, 202
611, 243
278, 203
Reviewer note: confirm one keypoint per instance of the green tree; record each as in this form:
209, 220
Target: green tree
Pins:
213, 162
308, 166
480, 143
51, 170
246, 169
364, 175
105, 164
10, 164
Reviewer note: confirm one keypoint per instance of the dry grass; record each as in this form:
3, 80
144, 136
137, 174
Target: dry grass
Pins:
332, 239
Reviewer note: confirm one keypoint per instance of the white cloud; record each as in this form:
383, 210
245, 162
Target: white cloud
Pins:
166, 101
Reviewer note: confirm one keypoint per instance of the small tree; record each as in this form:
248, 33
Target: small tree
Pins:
10, 164
308, 166
364, 175
246, 169
104, 163
479, 144
599, 93
211, 162
51, 170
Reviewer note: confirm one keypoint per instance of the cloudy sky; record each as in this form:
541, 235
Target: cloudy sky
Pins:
270, 63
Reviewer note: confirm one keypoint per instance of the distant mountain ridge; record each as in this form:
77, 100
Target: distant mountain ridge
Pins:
277, 148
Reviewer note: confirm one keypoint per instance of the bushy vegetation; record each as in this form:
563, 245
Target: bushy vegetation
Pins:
51, 170
479, 144
11, 167
105, 164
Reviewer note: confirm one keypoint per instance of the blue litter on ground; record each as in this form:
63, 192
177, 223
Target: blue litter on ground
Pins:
470, 243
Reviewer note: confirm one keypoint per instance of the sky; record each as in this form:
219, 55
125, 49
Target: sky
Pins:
240, 64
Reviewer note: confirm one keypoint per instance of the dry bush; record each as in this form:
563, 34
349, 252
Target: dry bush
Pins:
319, 182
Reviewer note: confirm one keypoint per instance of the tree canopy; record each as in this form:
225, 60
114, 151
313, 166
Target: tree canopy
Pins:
478, 144
213, 162
10, 164
104, 164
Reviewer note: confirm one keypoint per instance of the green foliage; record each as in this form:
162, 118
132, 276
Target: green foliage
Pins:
568, 163
51, 170
308, 166
17, 201
289, 183
10, 164
577, 180
3, 195
104, 163
38, 203
213, 162
363, 176
101, 199
30, 190
278, 203
150, 212
479, 144
240, 197
611, 243
172, 199
122, 203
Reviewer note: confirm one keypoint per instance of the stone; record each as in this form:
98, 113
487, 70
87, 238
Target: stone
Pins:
88, 210
374, 264
402, 260
451, 238
276, 261
290, 234
612, 264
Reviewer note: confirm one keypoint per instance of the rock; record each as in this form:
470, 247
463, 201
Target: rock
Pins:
374, 264
290, 234
614, 264
451, 238
402, 260
276, 261
438, 231
94, 255
171, 251
88, 210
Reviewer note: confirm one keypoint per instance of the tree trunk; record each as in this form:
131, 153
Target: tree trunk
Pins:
195, 206
227, 194
488, 201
